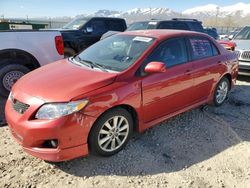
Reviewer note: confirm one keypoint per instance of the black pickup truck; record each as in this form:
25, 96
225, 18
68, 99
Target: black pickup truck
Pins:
80, 33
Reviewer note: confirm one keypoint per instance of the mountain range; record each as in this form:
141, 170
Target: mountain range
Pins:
201, 12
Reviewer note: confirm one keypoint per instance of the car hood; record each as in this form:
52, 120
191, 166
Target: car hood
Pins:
242, 44
62, 81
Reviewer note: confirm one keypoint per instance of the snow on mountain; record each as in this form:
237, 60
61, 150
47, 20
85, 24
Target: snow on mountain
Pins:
242, 8
199, 12
209, 9
239, 9
106, 13
138, 14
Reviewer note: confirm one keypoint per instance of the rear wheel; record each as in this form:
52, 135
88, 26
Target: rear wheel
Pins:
221, 91
111, 132
9, 74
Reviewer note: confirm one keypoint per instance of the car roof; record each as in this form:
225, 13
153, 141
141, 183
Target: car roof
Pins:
163, 33
173, 20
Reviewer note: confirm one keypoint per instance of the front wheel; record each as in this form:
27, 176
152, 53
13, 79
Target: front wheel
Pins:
111, 132
221, 92
9, 74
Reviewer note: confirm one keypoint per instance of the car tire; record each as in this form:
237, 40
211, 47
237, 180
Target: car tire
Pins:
68, 52
221, 91
111, 132
9, 74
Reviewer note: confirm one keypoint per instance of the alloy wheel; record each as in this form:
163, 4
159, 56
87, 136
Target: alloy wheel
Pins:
113, 133
222, 92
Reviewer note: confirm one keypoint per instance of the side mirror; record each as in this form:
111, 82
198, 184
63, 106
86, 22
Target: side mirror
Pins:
89, 29
155, 67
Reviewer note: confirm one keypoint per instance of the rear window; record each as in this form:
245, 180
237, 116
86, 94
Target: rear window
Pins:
116, 25
142, 26
166, 25
201, 48
197, 26
174, 25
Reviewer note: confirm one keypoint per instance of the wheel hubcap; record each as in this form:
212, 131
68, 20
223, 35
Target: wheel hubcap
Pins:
222, 91
113, 133
10, 78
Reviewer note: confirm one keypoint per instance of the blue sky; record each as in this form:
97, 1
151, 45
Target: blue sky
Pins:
55, 8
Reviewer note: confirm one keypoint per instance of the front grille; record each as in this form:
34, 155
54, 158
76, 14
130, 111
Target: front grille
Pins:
238, 54
245, 55
19, 106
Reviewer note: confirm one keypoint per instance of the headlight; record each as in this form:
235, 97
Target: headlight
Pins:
56, 110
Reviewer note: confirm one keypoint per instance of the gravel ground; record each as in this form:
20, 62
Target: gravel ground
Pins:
206, 147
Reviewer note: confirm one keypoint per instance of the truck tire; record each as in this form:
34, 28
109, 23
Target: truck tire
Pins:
68, 52
9, 74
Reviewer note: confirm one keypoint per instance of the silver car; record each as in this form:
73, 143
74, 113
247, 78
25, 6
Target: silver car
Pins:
242, 40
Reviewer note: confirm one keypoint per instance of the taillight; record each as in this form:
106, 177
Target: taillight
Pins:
59, 45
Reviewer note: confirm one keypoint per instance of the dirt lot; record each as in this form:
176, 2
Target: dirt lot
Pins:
200, 148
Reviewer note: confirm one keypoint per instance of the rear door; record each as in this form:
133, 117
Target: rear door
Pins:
168, 92
206, 61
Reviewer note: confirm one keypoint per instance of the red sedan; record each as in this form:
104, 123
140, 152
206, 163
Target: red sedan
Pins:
127, 82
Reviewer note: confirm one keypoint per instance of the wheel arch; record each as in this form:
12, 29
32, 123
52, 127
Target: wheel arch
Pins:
229, 77
23, 57
128, 108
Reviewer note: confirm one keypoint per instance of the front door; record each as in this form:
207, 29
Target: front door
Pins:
168, 92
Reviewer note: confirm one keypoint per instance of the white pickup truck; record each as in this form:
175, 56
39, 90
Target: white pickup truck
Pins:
24, 51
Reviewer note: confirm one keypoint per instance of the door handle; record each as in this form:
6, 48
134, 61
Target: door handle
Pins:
188, 71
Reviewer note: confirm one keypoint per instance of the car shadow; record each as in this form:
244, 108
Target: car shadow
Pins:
176, 144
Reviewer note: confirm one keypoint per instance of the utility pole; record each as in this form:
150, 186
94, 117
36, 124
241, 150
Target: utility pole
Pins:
217, 14
150, 13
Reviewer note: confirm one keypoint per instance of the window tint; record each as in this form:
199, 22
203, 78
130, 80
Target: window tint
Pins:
180, 25
172, 52
174, 25
138, 26
99, 27
201, 48
166, 25
115, 25
215, 50
197, 26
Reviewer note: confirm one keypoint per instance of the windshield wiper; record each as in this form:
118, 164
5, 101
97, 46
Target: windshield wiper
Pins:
92, 64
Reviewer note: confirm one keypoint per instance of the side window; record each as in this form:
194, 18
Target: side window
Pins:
197, 26
166, 25
180, 25
115, 25
201, 48
99, 27
215, 50
172, 52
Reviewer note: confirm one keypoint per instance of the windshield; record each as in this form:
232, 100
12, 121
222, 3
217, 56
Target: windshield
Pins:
76, 23
142, 26
117, 52
244, 34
